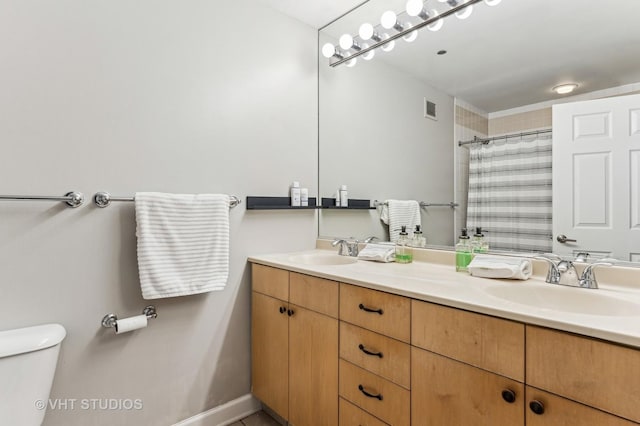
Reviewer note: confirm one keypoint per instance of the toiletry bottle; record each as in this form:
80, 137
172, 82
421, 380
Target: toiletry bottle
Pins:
344, 197
304, 197
404, 253
463, 252
295, 194
338, 198
478, 244
418, 239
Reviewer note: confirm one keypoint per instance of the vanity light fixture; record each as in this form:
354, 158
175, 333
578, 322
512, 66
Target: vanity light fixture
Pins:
563, 89
349, 49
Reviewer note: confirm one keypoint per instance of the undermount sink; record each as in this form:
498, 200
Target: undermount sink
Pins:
322, 259
567, 299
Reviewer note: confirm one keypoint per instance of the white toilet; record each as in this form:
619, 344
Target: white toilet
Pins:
28, 358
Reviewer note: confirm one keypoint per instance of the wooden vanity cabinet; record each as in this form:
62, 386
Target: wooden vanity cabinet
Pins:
295, 345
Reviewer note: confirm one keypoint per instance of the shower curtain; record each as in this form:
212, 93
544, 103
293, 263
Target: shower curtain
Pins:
510, 193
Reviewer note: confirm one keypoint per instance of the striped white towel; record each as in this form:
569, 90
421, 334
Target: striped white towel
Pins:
183, 243
397, 213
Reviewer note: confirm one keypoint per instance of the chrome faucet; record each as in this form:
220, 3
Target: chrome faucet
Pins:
346, 248
588, 279
563, 272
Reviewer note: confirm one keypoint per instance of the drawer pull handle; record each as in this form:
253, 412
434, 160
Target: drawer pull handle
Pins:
537, 407
509, 396
364, 308
363, 349
282, 309
290, 312
370, 395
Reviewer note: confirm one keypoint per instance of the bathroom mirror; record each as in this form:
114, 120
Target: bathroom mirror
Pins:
487, 75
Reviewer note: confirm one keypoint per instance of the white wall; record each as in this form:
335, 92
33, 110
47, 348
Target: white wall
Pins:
147, 95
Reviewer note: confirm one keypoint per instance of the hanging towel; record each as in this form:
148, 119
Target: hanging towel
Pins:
183, 243
513, 268
397, 213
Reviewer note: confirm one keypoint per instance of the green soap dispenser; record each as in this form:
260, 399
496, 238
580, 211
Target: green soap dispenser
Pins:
478, 244
418, 239
404, 253
463, 252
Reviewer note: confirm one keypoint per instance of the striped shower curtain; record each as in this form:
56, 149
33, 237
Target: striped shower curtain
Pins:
510, 193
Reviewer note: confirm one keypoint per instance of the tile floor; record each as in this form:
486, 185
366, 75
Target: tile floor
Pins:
258, 419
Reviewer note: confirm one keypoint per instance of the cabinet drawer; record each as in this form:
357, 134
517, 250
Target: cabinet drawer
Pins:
490, 343
381, 312
593, 372
562, 412
388, 357
317, 294
273, 282
350, 415
387, 401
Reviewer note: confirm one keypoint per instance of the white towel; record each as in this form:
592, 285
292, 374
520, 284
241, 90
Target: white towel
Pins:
380, 252
183, 243
514, 268
397, 213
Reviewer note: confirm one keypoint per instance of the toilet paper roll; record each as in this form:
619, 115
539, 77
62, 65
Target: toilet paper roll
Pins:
129, 324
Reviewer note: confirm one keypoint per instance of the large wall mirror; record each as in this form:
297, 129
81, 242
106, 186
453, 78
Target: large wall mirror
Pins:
488, 76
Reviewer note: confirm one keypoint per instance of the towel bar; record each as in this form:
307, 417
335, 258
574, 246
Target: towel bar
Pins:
377, 203
72, 199
103, 199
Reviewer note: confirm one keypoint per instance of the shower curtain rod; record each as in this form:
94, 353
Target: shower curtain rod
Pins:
493, 138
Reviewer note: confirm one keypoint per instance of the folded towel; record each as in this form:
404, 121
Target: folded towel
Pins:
500, 267
379, 252
397, 213
183, 243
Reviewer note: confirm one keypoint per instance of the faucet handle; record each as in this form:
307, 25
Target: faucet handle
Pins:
370, 239
343, 250
553, 275
588, 278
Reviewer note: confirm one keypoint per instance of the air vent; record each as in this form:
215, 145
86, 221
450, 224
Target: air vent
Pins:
430, 109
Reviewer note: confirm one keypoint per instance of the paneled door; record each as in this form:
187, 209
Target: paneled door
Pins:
596, 178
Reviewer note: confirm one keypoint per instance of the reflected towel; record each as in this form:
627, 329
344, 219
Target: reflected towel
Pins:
398, 213
500, 267
183, 243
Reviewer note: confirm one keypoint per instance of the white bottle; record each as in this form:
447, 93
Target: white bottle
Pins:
304, 197
295, 194
338, 198
344, 197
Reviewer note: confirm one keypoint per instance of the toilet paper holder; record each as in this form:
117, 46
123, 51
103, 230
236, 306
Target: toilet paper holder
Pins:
109, 320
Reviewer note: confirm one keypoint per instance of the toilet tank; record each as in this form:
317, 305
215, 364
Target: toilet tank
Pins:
28, 358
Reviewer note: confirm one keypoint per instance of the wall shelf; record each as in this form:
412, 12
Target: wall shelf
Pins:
354, 204
277, 203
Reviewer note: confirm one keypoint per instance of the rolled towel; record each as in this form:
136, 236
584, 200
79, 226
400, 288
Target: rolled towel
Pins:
379, 252
514, 268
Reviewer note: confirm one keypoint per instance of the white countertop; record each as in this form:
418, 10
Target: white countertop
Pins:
582, 312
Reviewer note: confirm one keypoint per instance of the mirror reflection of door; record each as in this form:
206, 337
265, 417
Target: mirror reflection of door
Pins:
596, 178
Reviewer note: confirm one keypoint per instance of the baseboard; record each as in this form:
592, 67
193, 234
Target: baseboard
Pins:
225, 414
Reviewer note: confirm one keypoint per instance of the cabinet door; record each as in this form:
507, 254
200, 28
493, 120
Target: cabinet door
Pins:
313, 368
552, 410
270, 352
448, 392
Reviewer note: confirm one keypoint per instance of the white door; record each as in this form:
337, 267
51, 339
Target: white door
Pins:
596, 177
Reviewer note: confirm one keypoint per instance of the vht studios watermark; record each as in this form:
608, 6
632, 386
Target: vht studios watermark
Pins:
98, 404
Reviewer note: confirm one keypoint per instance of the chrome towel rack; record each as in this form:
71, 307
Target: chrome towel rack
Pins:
72, 199
451, 204
103, 199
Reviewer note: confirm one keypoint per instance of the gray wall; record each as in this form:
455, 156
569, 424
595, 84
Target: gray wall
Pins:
147, 95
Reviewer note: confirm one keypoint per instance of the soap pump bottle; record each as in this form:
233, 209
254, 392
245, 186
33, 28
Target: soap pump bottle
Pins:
404, 253
463, 252
478, 244
418, 239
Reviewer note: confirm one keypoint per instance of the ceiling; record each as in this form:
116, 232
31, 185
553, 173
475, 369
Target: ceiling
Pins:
505, 56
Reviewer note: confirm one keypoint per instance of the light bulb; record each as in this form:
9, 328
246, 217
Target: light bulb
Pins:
366, 31
351, 62
388, 47
414, 7
346, 41
328, 50
411, 36
370, 54
563, 89
492, 2
388, 19
437, 25
465, 13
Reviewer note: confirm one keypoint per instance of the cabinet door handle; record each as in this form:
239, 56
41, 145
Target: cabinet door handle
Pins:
290, 312
363, 349
282, 309
537, 407
364, 308
509, 396
370, 395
